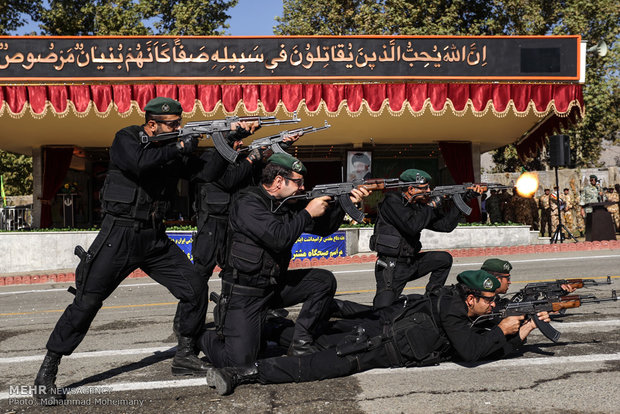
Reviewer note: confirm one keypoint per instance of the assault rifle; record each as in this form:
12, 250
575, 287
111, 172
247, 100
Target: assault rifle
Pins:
532, 307
552, 289
216, 129
457, 191
340, 192
273, 141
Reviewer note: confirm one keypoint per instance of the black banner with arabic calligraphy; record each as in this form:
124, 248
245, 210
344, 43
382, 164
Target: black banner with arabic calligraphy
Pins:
137, 59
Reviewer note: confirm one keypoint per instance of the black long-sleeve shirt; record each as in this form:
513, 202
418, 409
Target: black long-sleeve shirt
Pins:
156, 168
409, 219
252, 217
470, 343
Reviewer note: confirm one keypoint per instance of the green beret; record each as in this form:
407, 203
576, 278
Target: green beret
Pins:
163, 106
418, 176
288, 161
479, 280
497, 266
593, 176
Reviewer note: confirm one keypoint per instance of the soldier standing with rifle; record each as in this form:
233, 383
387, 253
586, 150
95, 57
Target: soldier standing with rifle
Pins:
423, 330
567, 211
138, 190
263, 228
544, 203
401, 218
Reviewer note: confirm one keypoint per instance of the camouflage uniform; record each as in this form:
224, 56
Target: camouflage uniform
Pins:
545, 214
589, 194
580, 224
493, 206
520, 210
613, 209
553, 208
567, 212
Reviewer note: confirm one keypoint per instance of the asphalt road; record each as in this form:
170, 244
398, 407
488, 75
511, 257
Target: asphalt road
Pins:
123, 365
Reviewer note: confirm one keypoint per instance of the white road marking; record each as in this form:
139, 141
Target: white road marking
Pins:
337, 272
128, 285
523, 362
195, 382
140, 351
92, 354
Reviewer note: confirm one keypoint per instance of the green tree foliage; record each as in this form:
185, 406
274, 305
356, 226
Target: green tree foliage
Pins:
189, 17
16, 171
13, 14
594, 20
132, 17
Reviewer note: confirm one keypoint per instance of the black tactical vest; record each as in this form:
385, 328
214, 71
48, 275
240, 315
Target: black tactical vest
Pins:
253, 265
416, 337
388, 241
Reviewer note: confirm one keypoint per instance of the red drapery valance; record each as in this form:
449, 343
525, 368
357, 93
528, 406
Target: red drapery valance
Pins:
564, 102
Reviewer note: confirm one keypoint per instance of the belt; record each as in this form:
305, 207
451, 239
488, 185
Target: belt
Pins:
134, 223
246, 290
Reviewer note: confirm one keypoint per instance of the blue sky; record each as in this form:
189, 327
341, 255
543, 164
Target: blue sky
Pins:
248, 18
254, 17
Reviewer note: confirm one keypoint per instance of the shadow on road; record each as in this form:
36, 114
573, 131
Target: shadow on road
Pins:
144, 362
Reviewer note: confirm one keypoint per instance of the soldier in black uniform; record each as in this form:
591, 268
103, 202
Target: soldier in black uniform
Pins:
423, 330
139, 187
263, 228
212, 206
401, 218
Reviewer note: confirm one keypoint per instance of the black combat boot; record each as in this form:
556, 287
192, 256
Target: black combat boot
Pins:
45, 391
225, 380
185, 361
301, 347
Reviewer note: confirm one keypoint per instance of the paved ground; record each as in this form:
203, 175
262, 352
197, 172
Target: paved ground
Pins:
125, 358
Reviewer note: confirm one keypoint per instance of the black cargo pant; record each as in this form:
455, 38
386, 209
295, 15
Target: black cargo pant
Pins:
121, 247
245, 317
392, 274
208, 247
327, 364
545, 222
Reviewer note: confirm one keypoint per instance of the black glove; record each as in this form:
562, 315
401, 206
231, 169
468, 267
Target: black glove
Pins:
190, 143
239, 134
435, 202
286, 144
470, 195
255, 155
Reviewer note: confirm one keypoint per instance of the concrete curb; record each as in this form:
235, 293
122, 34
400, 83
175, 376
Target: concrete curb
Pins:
360, 258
